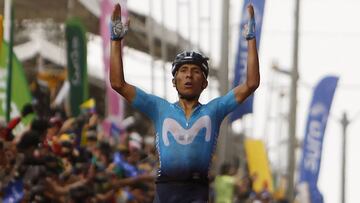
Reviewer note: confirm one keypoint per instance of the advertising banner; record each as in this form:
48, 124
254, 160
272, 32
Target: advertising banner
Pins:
77, 66
314, 136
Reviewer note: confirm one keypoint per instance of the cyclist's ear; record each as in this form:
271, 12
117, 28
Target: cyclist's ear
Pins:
173, 82
204, 84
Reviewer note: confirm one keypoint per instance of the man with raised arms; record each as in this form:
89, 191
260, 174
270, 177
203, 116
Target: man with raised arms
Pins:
186, 131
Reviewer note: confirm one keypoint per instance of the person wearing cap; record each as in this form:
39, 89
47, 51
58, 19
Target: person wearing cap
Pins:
186, 131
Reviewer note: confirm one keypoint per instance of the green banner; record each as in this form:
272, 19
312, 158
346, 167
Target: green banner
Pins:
76, 61
20, 93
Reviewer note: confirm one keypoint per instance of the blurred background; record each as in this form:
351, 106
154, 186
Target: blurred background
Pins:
294, 140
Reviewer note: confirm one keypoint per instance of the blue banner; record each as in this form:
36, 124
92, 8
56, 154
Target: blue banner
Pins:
241, 55
314, 135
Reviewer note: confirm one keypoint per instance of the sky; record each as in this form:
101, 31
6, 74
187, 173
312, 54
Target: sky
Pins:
329, 44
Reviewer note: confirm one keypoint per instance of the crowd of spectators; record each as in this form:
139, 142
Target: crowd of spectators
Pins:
71, 160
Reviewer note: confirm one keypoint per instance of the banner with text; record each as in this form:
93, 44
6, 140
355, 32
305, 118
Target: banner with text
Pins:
77, 64
314, 136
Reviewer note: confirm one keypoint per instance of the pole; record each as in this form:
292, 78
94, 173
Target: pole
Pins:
344, 122
177, 22
190, 24
210, 30
223, 80
163, 46
269, 104
198, 7
151, 45
210, 42
223, 74
70, 6
293, 105
7, 19
10, 60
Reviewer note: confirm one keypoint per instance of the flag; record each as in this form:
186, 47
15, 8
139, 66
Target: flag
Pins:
13, 192
20, 93
241, 55
89, 106
116, 133
76, 62
83, 137
314, 136
114, 103
258, 164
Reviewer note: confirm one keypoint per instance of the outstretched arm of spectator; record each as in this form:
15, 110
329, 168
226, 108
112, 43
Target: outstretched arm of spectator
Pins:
118, 183
104, 197
63, 190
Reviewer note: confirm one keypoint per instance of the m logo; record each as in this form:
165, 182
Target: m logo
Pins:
185, 136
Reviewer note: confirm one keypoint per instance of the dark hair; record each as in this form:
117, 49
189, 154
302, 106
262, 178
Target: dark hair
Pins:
81, 193
225, 169
27, 109
67, 144
91, 135
29, 139
53, 165
40, 126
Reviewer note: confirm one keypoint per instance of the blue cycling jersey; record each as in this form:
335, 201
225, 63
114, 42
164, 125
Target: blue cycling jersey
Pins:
185, 146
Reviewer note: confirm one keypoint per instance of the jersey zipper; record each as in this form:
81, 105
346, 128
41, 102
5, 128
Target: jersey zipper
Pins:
187, 121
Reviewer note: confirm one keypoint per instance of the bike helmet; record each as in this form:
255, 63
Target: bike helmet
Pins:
190, 57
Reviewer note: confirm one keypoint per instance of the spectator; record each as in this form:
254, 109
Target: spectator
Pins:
225, 184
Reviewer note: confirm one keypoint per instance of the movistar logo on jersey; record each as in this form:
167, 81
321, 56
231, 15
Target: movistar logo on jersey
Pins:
185, 136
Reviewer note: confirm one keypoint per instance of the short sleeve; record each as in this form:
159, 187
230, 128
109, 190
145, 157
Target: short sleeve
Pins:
224, 104
147, 103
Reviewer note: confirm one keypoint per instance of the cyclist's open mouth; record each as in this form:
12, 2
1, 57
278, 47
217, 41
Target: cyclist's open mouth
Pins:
188, 84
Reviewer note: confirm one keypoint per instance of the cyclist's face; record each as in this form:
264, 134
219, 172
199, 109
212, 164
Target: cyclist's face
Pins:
190, 81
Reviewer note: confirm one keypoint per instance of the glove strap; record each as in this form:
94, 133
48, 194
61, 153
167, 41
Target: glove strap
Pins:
250, 29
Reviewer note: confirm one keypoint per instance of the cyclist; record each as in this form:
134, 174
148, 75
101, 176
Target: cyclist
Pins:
186, 131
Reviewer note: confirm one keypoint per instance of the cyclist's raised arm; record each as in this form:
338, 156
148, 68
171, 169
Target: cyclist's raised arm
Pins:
242, 91
117, 80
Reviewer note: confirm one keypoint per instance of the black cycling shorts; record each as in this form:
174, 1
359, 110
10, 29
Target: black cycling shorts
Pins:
175, 192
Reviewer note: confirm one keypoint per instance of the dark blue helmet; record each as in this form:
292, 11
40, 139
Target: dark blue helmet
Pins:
191, 57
